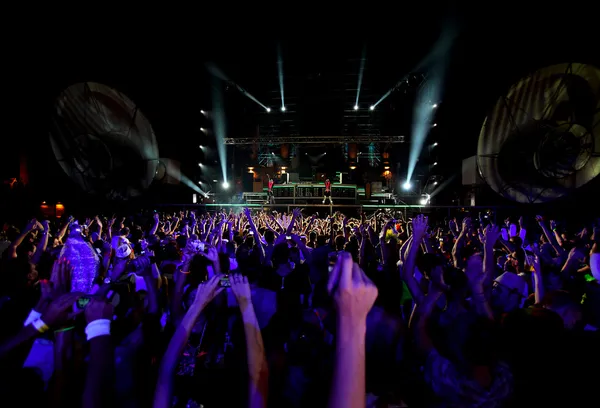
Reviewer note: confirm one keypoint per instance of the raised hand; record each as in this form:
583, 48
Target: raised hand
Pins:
466, 224
211, 254
353, 293
491, 233
241, 290
58, 310
452, 225
98, 308
207, 291
297, 212
419, 226
60, 278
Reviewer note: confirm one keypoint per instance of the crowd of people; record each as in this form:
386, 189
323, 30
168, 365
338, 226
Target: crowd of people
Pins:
262, 309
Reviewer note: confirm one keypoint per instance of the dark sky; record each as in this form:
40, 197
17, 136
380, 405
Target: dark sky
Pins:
162, 70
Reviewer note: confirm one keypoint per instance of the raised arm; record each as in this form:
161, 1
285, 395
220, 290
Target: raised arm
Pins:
12, 249
164, 388
408, 269
258, 371
353, 294
42, 244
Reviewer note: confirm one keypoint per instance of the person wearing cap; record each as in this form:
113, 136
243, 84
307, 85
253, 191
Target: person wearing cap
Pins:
509, 292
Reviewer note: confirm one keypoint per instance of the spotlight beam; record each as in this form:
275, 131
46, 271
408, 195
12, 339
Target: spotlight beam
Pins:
216, 72
363, 60
280, 74
219, 123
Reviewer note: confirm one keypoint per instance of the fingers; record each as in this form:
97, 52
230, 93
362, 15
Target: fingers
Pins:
357, 274
237, 280
346, 266
334, 277
234, 279
65, 274
213, 282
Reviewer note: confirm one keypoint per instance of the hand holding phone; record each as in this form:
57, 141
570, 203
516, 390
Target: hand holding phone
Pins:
199, 246
224, 282
82, 302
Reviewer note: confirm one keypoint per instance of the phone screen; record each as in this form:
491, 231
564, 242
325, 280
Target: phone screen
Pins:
82, 302
225, 283
198, 245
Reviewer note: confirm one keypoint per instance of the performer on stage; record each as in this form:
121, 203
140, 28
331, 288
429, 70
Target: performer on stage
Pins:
270, 196
327, 195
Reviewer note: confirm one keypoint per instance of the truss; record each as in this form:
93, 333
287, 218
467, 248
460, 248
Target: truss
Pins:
277, 140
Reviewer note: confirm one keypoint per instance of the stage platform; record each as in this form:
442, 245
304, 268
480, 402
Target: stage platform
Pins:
349, 209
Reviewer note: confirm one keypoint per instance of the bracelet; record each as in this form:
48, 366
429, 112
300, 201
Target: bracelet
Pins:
33, 315
64, 330
100, 327
40, 325
184, 272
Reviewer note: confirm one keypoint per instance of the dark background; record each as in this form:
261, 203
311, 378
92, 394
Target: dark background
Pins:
160, 66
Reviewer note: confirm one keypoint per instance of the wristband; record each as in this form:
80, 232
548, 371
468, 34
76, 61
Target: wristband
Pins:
184, 272
100, 327
33, 315
40, 325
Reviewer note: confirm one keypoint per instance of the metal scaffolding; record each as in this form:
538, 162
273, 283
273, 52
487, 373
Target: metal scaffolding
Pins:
317, 140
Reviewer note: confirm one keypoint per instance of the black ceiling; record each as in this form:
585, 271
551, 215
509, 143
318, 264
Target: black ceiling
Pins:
163, 70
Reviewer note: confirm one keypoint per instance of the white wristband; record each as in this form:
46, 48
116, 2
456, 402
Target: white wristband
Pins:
100, 327
33, 315
40, 325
